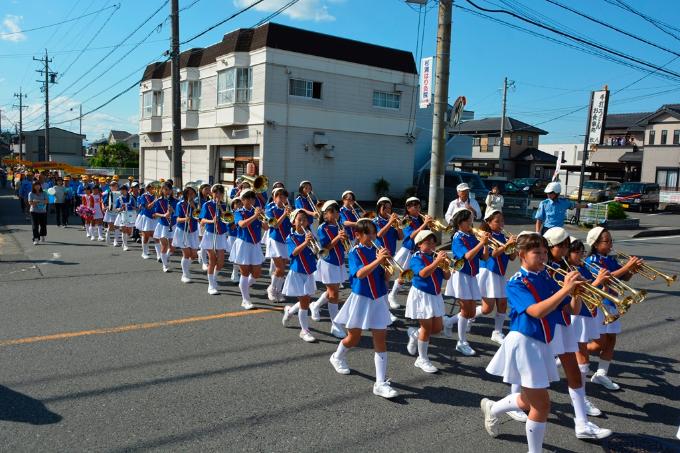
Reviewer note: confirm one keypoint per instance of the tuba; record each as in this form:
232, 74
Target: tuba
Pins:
258, 183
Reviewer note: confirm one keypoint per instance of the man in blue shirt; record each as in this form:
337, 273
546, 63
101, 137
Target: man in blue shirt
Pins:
552, 211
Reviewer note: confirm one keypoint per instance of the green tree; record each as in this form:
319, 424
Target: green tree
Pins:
116, 155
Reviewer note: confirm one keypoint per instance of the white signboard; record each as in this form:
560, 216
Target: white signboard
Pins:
598, 113
426, 81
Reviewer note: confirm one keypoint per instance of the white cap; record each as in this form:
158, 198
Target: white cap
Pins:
424, 234
412, 199
135, 184
462, 186
294, 214
573, 239
594, 235
277, 189
457, 210
217, 186
384, 200
553, 187
555, 236
527, 233
491, 213
245, 192
347, 192
328, 204
302, 183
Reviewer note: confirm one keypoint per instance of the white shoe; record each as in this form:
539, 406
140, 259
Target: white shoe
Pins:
340, 365
384, 389
497, 337
185, 279
280, 297
591, 410
270, 293
603, 380
306, 336
337, 332
425, 365
393, 319
213, 291
36, 242
393, 302
448, 327
314, 308
115, 243
205, 266
558, 362
100, 239
158, 258
92, 238
246, 304
490, 421
145, 256
286, 315
126, 248
166, 269
519, 416
590, 430
412, 345
464, 348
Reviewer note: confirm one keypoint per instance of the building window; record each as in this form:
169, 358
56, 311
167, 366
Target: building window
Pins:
652, 134
530, 140
234, 85
676, 137
476, 141
190, 95
667, 178
664, 136
518, 139
152, 102
386, 100
304, 88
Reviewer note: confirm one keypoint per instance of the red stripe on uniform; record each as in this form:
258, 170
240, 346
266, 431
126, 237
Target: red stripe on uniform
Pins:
217, 222
473, 269
335, 247
547, 334
437, 285
301, 255
371, 279
249, 228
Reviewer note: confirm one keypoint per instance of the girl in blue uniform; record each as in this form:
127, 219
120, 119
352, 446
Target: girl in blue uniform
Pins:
201, 198
302, 202
214, 238
147, 222
246, 251
232, 234
163, 233
125, 207
300, 281
366, 308
525, 358
110, 197
425, 302
348, 215
463, 284
186, 233
386, 223
277, 249
331, 268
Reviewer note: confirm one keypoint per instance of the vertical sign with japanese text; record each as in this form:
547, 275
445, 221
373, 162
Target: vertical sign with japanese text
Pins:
598, 113
426, 77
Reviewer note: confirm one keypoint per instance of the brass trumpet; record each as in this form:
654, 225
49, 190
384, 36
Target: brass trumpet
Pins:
648, 271
452, 265
315, 247
435, 225
271, 221
394, 268
493, 242
617, 285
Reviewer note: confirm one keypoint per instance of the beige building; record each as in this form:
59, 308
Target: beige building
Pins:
65, 146
300, 105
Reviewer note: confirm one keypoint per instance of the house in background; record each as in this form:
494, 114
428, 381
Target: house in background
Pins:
65, 146
92, 147
619, 157
132, 140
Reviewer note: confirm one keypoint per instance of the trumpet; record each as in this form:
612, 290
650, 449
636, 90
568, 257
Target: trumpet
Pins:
452, 265
493, 242
315, 247
393, 267
618, 285
271, 221
316, 207
648, 271
436, 225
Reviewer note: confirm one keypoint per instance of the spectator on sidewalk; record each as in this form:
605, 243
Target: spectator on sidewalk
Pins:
60, 204
494, 201
463, 201
24, 190
553, 210
37, 200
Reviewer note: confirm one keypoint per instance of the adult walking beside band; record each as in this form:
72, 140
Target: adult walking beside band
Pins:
37, 201
552, 211
463, 201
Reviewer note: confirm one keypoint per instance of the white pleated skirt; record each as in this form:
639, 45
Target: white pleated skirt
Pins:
612, 327
185, 240
463, 286
330, 274
276, 249
585, 328
564, 340
125, 219
364, 313
110, 216
246, 254
422, 305
230, 243
524, 361
163, 231
139, 221
491, 284
219, 241
298, 284
403, 257
148, 224
98, 214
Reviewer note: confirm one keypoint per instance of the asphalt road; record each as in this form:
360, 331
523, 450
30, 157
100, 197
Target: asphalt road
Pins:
89, 362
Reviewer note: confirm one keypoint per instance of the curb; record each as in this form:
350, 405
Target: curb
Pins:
657, 233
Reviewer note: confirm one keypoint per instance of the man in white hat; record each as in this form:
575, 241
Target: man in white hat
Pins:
463, 201
552, 211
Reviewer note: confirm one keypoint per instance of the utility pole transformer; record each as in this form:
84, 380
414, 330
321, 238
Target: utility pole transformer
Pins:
176, 115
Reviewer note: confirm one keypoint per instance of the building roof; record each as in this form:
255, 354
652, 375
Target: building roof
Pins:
487, 125
535, 155
42, 131
283, 37
624, 120
670, 109
120, 135
632, 156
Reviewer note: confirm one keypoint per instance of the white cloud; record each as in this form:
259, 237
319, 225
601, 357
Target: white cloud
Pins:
314, 10
10, 30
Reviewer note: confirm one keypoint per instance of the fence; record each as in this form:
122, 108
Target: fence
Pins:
596, 214
110, 171
669, 197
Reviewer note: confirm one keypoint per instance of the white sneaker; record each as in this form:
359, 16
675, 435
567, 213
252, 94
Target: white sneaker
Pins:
490, 421
213, 291
337, 332
126, 248
448, 327
36, 242
497, 337
590, 430
340, 365
145, 256
591, 410
393, 319
412, 345
603, 380
464, 348
384, 389
246, 304
393, 302
280, 297
185, 279
468, 328
270, 293
166, 269
425, 365
92, 238
286, 315
158, 258
315, 309
519, 416
306, 336
204, 267
100, 239
115, 243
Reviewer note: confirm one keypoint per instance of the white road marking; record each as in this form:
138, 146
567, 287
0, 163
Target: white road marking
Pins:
648, 239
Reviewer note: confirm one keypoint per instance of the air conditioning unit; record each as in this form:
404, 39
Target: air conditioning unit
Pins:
329, 151
320, 139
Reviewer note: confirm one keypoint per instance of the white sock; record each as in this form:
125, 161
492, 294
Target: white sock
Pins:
462, 326
578, 401
342, 351
211, 281
204, 256
380, 359
116, 234
505, 404
333, 310
100, 229
157, 246
244, 287
304, 321
165, 258
422, 349
124, 236
498, 321
108, 232
603, 365
186, 262
279, 284
321, 301
583, 368
234, 271
145, 245
535, 433
478, 310
294, 309
271, 264
395, 289
251, 280
515, 388
449, 321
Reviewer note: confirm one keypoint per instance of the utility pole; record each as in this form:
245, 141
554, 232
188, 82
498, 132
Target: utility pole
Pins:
176, 116
21, 96
80, 118
50, 77
506, 85
441, 98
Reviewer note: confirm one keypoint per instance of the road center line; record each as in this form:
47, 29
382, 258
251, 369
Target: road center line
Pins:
132, 327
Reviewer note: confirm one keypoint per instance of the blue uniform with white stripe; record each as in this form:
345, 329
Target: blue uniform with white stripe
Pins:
431, 284
347, 215
414, 224
143, 201
183, 209
606, 262
373, 285
162, 206
126, 203
303, 203
209, 212
326, 233
304, 262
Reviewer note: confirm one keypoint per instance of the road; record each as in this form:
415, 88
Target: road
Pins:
102, 351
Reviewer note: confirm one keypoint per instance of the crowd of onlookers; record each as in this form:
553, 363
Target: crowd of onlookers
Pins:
619, 141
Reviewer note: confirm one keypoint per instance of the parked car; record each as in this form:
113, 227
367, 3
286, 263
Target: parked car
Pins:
507, 188
536, 186
478, 190
596, 191
638, 196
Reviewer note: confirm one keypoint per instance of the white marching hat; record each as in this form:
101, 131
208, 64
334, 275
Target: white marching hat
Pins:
246, 192
491, 213
556, 236
593, 235
277, 189
457, 210
412, 200
217, 187
294, 214
462, 186
573, 239
424, 234
384, 200
527, 233
328, 204
347, 192
553, 187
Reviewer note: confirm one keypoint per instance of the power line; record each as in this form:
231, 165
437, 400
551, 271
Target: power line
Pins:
59, 23
276, 13
657, 23
212, 27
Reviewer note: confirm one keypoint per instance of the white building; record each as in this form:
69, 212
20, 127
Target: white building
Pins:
301, 105
572, 155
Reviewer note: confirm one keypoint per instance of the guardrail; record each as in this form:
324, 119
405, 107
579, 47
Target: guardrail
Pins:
110, 171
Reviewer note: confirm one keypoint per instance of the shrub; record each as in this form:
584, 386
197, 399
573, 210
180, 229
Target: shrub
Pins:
381, 187
615, 211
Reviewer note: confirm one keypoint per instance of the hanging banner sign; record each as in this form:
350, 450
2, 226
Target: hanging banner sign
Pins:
598, 113
426, 82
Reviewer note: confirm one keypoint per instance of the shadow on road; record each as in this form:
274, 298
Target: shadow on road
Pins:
17, 407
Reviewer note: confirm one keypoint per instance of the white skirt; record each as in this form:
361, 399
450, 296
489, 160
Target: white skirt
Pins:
185, 240
330, 274
403, 257
298, 284
139, 221
524, 361
563, 341
230, 243
208, 238
585, 328
246, 254
163, 231
612, 327
422, 305
98, 214
491, 284
462, 286
361, 312
125, 219
110, 216
148, 224
276, 249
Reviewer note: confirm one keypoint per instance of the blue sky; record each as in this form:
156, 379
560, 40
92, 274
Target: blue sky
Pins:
550, 80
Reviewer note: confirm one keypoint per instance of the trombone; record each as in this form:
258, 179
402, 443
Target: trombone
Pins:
316, 207
618, 285
647, 271
393, 267
493, 242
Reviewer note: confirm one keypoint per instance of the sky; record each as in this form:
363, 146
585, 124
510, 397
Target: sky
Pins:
550, 80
